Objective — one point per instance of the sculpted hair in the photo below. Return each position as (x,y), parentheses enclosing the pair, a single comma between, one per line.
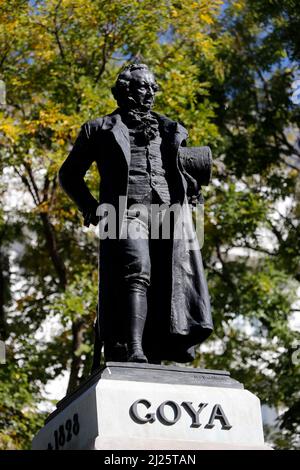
(121,87)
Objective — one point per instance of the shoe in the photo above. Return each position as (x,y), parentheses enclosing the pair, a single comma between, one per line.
(137,356)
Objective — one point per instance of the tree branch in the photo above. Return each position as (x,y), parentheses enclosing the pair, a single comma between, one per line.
(255,248)
(2,60)
(27,185)
(104,58)
(49,232)
(56,32)
(32,180)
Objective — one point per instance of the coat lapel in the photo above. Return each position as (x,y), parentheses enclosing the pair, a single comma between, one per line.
(172,130)
(114,124)
(176,135)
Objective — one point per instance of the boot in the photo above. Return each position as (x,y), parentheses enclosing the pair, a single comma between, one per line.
(137,312)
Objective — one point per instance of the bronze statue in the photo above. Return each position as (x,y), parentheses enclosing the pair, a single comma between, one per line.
(153,300)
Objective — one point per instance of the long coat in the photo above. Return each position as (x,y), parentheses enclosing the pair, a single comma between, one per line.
(180,317)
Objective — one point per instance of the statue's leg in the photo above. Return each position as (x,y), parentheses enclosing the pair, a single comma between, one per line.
(160,246)
(136,267)
(137,313)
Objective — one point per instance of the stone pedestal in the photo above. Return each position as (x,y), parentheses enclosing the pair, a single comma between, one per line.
(146,406)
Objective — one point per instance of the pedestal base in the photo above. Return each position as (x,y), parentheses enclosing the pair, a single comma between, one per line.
(144,406)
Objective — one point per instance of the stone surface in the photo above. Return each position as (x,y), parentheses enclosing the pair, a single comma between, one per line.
(138,406)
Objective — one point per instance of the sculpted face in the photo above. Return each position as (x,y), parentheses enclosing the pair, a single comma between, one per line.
(142,90)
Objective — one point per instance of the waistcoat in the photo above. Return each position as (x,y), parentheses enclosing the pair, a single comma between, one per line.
(147,172)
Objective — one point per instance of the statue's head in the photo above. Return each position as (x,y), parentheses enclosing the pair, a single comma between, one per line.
(135,88)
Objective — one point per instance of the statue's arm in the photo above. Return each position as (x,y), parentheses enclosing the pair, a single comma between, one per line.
(72,172)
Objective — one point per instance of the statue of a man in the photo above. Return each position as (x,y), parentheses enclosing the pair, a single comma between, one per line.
(153,300)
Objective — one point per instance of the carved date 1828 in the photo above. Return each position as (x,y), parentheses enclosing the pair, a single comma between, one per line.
(64,433)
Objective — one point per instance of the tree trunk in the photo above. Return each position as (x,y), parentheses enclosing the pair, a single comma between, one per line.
(3,326)
(78,328)
(57,261)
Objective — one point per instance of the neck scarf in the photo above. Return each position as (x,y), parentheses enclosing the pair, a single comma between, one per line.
(144,123)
